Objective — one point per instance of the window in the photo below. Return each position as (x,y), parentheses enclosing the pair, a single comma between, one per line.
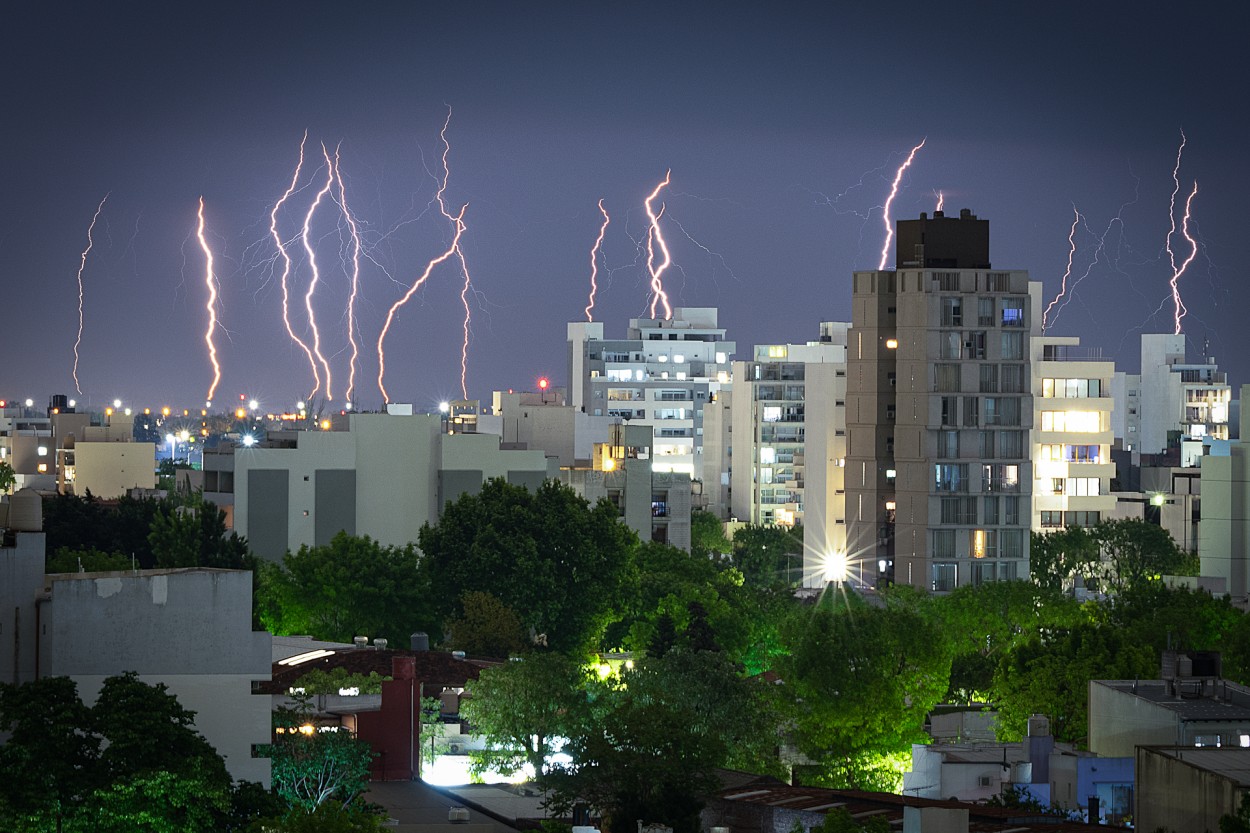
(947,281)
(952,312)
(1050,452)
(1002,410)
(974,344)
(950,346)
(948,444)
(1078,422)
(983,572)
(1052,519)
(989,378)
(998,281)
(1013,346)
(990,505)
(1081,454)
(951,477)
(985,444)
(985,312)
(983,543)
(1081,487)
(1012,379)
(950,410)
(1013,312)
(1085,518)
(997,477)
(772,413)
(943,577)
(946,377)
(1011,444)
(1012,505)
(944,543)
(960,511)
(972,410)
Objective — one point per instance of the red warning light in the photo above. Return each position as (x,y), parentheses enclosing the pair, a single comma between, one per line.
(543,383)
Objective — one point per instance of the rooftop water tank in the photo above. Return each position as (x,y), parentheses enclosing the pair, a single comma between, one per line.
(26,511)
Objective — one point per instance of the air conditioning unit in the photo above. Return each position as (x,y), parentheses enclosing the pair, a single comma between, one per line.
(455,749)
(985,781)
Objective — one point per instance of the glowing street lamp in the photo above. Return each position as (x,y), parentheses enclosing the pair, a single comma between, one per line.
(834,567)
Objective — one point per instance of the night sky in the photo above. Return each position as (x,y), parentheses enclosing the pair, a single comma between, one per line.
(783,125)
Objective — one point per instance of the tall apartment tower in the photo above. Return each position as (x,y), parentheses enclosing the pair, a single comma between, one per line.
(938,412)
(661,374)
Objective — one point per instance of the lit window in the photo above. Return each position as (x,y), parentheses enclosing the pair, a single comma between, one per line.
(891,344)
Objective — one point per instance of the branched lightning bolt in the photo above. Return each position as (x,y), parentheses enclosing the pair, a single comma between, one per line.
(464,267)
(658,296)
(885,212)
(351,301)
(1176,187)
(390,315)
(594,261)
(316,275)
(286,270)
(82,264)
(1067,272)
(210,281)
(1179,307)
(941,200)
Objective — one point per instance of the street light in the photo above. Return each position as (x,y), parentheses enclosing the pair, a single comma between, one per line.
(834,567)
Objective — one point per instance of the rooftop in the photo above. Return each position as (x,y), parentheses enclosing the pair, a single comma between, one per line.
(1193,699)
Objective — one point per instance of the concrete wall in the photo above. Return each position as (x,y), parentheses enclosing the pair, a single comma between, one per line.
(1119,722)
(1175,792)
(110,469)
(190,629)
(1224,546)
(21,581)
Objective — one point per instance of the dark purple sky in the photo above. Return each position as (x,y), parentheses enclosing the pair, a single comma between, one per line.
(782,127)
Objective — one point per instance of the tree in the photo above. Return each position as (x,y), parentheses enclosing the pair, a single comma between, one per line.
(66,560)
(353,586)
(192,533)
(487,627)
(522,707)
(1056,558)
(661,732)
(311,767)
(7,477)
(548,555)
(766,555)
(1137,552)
(707,535)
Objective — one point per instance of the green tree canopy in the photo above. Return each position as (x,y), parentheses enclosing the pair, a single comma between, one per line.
(549,555)
(486,627)
(352,587)
(313,768)
(769,556)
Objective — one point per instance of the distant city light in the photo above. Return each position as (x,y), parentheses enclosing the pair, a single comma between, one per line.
(834,567)
(117,403)
(444,407)
(249,440)
(72,403)
(30,403)
(253,404)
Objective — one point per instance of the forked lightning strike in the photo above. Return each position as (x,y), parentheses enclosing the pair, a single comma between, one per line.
(594,261)
(390,314)
(1067,273)
(658,296)
(351,300)
(885,212)
(941,201)
(82,264)
(286,269)
(1179,309)
(210,281)
(464,267)
(316,275)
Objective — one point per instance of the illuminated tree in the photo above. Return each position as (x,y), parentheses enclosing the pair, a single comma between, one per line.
(487,627)
(7,477)
(312,767)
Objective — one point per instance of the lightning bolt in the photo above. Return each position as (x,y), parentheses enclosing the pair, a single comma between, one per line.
(1063,286)
(464,267)
(659,296)
(390,315)
(286,269)
(885,211)
(210,281)
(941,200)
(316,275)
(1176,187)
(594,261)
(82,264)
(351,301)
(1180,311)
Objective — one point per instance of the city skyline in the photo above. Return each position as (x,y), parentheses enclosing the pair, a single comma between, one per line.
(783,132)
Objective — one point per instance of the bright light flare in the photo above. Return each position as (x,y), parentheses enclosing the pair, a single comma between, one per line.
(82,264)
(658,295)
(594,261)
(286,267)
(834,567)
(352,337)
(316,273)
(1063,285)
(885,212)
(417,284)
(210,281)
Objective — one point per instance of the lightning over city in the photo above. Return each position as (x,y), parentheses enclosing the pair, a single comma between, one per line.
(210,305)
(1179,310)
(286,269)
(354,232)
(1067,272)
(656,237)
(594,261)
(316,274)
(885,211)
(417,284)
(941,200)
(82,264)
(457,224)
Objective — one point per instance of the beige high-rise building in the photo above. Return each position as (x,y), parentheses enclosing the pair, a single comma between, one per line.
(938,412)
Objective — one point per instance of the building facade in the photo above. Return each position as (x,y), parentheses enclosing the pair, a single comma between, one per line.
(938,412)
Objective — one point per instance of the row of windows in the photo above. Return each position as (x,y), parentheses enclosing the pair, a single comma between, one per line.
(945,574)
(980,410)
(992,378)
(995,477)
(1075,486)
(971,344)
(1061,453)
(949,281)
(1054,519)
(1071,388)
(1080,422)
(962,511)
(1010,312)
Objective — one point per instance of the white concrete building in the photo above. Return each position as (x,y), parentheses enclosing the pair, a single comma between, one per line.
(1176,397)
(1071,437)
(1224,546)
(661,374)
